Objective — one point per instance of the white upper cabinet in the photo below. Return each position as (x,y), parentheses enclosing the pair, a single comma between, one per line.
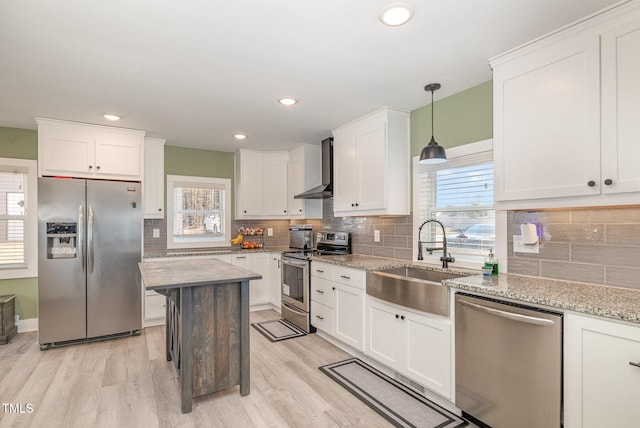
(371,165)
(89,151)
(304,174)
(267,181)
(621,106)
(261,184)
(566,111)
(153,183)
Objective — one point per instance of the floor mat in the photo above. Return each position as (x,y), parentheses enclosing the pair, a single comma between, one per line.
(399,404)
(278,330)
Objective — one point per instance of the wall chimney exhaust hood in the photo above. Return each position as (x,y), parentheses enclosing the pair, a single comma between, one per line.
(325,190)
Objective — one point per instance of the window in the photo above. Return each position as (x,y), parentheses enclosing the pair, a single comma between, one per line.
(18,218)
(199,211)
(458,193)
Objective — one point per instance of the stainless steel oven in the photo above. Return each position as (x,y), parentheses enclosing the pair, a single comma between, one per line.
(296,272)
(295,291)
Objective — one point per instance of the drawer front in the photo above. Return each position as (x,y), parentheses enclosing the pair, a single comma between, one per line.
(322,317)
(323,291)
(154,306)
(322,270)
(353,277)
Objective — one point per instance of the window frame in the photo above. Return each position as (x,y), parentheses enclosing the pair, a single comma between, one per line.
(466,261)
(30,268)
(198,242)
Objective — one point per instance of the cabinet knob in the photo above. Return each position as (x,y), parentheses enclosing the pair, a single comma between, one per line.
(285,211)
(357,204)
(159,209)
(98,167)
(333,288)
(591,183)
(90,166)
(397,316)
(353,205)
(245,211)
(300,210)
(608,182)
(401,317)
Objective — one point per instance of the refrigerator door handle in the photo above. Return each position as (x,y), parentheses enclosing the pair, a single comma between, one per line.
(80,243)
(90,239)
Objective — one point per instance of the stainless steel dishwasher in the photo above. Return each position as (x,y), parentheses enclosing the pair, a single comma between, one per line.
(508,363)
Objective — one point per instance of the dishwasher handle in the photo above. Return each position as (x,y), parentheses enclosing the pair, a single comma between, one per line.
(509,315)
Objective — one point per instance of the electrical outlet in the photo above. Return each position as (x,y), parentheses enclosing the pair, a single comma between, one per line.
(156,233)
(376,236)
(269,231)
(521,247)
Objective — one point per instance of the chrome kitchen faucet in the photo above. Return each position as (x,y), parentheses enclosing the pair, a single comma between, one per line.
(446,257)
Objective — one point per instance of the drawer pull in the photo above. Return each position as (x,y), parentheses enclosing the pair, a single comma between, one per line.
(319,317)
(631,363)
(345,277)
(320,291)
(319,270)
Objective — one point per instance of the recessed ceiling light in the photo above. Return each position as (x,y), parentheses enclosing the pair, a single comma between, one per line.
(396,14)
(239,136)
(287,101)
(111,117)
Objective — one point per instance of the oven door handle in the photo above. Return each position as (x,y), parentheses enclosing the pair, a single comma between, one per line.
(294,310)
(295,263)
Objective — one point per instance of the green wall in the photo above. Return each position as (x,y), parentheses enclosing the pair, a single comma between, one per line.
(461,118)
(21,144)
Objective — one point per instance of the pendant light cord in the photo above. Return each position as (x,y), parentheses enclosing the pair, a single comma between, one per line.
(432,127)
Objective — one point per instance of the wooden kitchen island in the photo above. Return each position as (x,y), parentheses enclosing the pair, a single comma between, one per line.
(207,323)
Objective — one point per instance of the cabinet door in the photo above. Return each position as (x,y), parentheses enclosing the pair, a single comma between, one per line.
(296,184)
(601,384)
(118,154)
(385,336)
(275,280)
(274,186)
(621,107)
(259,288)
(249,187)
(546,122)
(345,171)
(371,156)
(66,150)
(428,352)
(153,178)
(349,322)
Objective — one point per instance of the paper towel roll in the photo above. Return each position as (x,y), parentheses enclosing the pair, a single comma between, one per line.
(529,233)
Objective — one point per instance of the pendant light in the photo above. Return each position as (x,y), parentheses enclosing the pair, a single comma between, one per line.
(432,152)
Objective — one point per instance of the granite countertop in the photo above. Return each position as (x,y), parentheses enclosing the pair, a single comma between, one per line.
(600,300)
(206,252)
(188,273)
(611,302)
(357,261)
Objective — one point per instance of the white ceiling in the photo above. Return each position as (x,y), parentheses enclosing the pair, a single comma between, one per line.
(196,72)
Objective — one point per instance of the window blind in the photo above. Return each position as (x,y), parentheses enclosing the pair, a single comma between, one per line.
(459,193)
(12,219)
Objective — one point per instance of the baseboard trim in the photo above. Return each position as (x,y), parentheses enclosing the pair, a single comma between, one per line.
(29,324)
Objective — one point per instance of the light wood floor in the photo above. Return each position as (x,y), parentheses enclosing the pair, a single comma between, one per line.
(128,383)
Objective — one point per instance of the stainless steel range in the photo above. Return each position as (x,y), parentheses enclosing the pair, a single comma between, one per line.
(296,272)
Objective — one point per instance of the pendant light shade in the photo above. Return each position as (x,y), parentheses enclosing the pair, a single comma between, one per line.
(432,152)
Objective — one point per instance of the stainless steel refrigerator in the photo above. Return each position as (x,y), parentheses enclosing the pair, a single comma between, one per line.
(89,246)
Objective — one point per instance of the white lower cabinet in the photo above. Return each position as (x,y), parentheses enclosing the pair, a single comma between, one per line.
(258,263)
(275,281)
(415,344)
(337,302)
(602,373)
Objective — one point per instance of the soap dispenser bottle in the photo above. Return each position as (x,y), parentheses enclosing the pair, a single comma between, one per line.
(492,261)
